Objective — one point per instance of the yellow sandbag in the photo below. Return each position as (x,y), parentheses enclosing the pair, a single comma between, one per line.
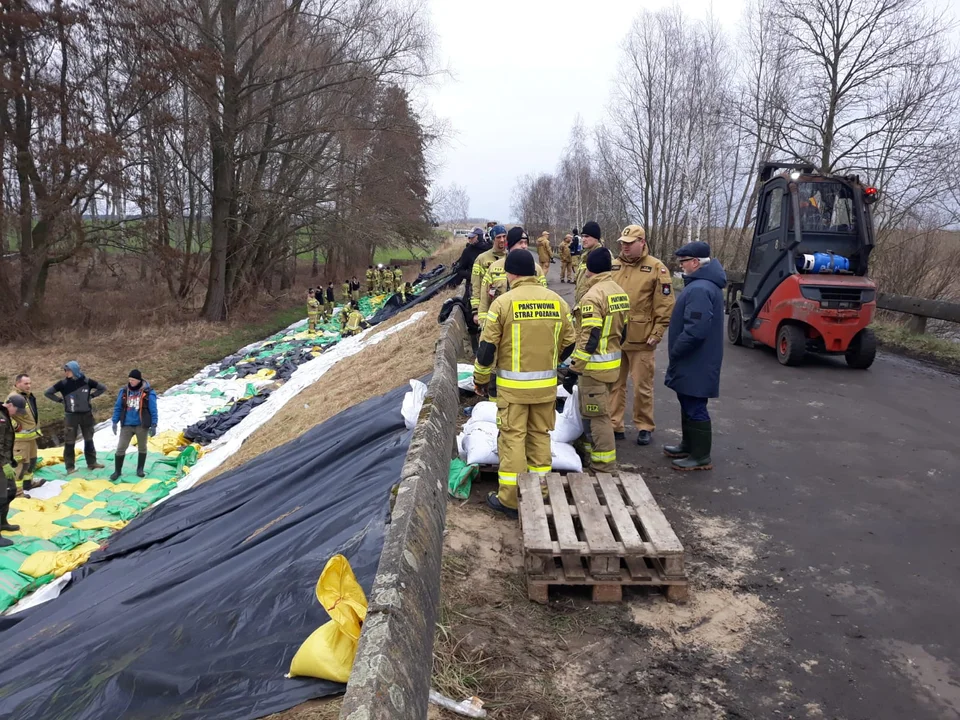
(265,373)
(329,651)
(96,524)
(167,442)
(35,525)
(88,489)
(53,456)
(57,561)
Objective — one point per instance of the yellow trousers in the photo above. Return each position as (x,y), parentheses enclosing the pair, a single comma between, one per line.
(523,444)
(566,270)
(597,424)
(638,364)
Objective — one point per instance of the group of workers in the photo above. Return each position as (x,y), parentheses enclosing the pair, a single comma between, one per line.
(623,307)
(134,415)
(382,280)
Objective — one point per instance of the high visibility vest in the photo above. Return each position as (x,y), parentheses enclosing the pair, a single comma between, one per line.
(600,317)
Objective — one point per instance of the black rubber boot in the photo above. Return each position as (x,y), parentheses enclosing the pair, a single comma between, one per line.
(141,461)
(683,449)
(4,525)
(69,458)
(5,543)
(701,443)
(117,467)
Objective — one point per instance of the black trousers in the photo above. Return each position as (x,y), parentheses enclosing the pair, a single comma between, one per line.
(74,423)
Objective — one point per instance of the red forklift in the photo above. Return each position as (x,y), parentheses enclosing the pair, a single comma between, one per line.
(805,288)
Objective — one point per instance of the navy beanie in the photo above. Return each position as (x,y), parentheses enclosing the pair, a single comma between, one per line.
(599,260)
(515,235)
(521,263)
(592,229)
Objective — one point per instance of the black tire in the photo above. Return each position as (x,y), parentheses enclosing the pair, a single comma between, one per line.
(791,344)
(735,326)
(863,350)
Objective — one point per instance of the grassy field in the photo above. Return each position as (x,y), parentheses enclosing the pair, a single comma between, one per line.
(896,337)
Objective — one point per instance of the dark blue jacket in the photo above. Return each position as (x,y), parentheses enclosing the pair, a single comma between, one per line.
(696,334)
(133,413)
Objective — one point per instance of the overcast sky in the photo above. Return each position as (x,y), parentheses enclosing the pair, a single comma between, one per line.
(522,71)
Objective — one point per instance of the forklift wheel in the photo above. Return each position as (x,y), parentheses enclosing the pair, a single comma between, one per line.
(791,344)
(735,326)
(863,350)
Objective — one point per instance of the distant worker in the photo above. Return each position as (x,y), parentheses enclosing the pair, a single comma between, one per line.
(407,292)
(355,289)
(600,319)
(381,288)
(648,283)
(76,393)
(483,261)
(354,322)
(495,279)
(695,348)
(543,249)
(397,278)
(527,333)
(135,412)
(345,292)
(423,264)
(27,426)
(9,410)
(313,312)
(566,260)
(331,300)
(591,241)
(371,280)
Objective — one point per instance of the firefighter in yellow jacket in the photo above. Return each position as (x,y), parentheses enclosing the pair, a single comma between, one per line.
(397,278)
(543,249)
(527,333)
(345,292)
(313,311)
(600,319)
(371,280)
(27,433)
(495,279)
(480,265)
(647,282)
(353,322)
(590,239)
(566,260)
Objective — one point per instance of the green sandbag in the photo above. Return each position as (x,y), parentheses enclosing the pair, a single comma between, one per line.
(461,478)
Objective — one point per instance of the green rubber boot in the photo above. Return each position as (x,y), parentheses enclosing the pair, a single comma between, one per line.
(683,449)
(700,444)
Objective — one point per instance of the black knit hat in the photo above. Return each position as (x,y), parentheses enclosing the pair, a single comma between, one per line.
(135,374)
(599,261)
(515,235)
(520,263)
(592,229)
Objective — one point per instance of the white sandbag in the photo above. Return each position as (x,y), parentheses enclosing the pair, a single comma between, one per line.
(413,403)
(562,392)
(461,453)
(483,412)
(568,424)
(565,458)
(480,444)
(465,377)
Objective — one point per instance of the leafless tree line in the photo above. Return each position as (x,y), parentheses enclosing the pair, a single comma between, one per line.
(868,87)
(217,140)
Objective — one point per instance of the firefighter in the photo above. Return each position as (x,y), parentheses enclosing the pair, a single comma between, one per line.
(345,292)
(595,364)
(495,279)
(331,300)
(397,278)
(566,260)
(480,265)
(76,391)
(135,414)
(371,280)
(355,290)
(313,312)
(647,282)
(12,407)
(27,426)
(543,249)
(380,279)
(527,333)
(353,323)
(590,237)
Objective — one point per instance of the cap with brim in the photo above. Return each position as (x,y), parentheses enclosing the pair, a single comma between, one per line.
(476,232)
(17,401)
(632,233)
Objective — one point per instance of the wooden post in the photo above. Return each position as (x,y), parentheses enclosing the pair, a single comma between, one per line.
(917,324)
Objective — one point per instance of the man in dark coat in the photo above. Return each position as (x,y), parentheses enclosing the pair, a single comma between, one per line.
(695,349)
(464,264)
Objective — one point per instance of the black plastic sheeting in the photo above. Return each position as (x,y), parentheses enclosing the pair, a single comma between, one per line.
(434,272)
(196,608)
(215,426)
(393,306)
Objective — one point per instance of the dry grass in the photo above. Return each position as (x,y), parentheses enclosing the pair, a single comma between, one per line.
(370,373)
(325,709)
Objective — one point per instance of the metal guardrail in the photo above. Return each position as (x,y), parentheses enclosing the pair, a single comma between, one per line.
(920,309)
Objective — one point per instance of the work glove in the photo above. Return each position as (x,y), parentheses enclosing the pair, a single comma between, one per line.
(114,428)
(9,472)
(153,431)
(480,388)
(570,380)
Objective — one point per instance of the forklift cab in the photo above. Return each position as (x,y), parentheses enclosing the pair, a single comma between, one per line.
(802,213)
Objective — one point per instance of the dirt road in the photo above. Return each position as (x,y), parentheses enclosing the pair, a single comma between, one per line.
(831,523)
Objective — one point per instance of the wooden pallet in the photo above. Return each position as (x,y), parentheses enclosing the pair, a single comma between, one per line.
(603,531)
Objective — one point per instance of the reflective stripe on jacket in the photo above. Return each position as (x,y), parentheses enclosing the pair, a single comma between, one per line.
(495,284)
(600,318)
